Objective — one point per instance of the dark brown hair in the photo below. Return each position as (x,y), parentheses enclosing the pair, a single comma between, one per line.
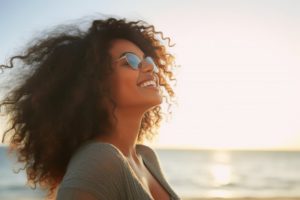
(59,105)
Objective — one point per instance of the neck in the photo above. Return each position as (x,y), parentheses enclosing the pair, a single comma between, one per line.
(125,133)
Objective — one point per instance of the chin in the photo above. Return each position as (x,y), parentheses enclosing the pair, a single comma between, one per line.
(157,101)
(154,104)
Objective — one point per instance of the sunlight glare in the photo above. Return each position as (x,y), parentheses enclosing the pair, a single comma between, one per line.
(221,174)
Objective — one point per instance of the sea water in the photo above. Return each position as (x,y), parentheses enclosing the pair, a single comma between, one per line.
(197,173)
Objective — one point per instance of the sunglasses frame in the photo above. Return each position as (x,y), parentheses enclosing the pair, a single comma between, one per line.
(148,60)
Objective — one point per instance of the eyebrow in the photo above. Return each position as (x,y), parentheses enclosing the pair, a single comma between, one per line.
(129,52)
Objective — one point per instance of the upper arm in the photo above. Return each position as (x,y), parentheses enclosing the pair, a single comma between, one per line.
(95,173)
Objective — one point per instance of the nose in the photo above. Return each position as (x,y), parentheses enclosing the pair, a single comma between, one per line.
(146,66)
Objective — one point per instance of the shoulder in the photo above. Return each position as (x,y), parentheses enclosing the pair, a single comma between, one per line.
(94,161)
(96,152)
(151,159)
(148,153)
(96,168)
(145,150)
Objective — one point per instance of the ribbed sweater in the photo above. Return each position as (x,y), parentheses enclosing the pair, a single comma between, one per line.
(99,171)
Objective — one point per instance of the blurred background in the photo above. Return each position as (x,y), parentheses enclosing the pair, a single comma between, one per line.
(235,132)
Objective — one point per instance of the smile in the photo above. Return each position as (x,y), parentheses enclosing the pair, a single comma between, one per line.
(148,84)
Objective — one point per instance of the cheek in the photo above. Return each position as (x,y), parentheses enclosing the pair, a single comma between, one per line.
(124,87)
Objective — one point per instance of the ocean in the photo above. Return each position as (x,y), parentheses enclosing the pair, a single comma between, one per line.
(198,174)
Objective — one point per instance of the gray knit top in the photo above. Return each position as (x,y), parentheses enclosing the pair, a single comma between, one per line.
(99,171)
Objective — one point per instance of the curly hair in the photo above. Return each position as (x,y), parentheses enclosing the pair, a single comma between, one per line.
(59,105)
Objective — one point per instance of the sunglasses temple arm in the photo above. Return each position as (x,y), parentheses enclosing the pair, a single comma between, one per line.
(120,58)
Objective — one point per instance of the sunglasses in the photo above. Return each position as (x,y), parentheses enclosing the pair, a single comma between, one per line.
(134,61)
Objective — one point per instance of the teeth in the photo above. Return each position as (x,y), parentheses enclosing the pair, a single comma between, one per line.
(147,83)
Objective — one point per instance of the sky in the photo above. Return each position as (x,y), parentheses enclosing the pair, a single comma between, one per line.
(239,81)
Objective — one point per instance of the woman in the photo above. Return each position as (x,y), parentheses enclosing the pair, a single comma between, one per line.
(80,118)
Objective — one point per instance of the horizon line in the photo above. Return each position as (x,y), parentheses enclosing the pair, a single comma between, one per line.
(192,148)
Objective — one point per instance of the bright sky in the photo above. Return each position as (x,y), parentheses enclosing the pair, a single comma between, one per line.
(239,83)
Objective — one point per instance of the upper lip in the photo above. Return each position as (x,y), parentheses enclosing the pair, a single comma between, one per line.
(151,79)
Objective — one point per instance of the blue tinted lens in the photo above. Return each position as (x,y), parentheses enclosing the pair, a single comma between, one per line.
(150,61)
(133,60)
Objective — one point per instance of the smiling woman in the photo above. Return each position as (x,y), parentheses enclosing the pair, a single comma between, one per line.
(80,118)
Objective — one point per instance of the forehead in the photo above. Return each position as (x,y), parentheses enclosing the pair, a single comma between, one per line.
(119,46)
